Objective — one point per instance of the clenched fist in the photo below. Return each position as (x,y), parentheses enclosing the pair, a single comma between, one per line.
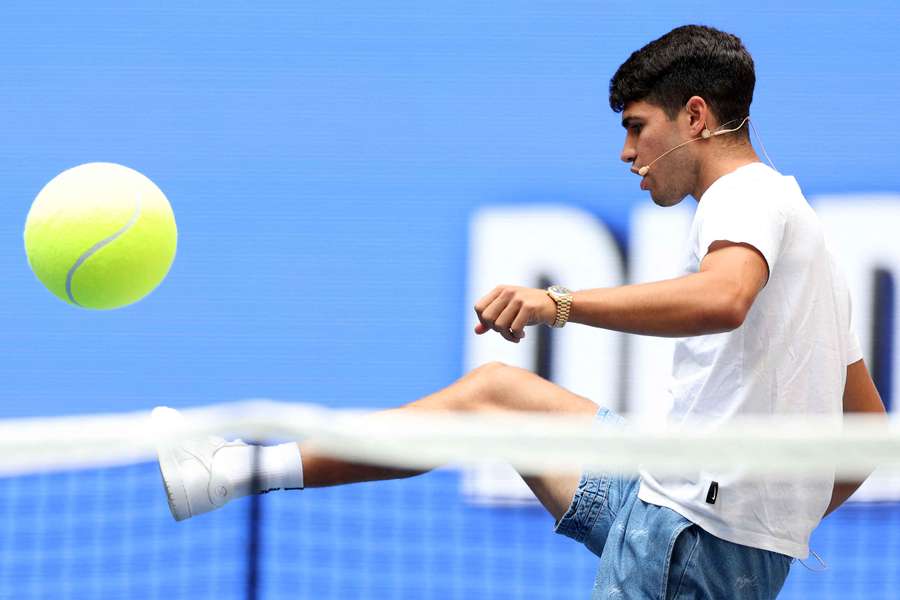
(508,309)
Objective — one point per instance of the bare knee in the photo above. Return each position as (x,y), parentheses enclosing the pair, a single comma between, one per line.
(491,385)
(496,386)
(488,370)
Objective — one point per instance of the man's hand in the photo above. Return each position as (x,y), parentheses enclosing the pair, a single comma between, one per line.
(508,309)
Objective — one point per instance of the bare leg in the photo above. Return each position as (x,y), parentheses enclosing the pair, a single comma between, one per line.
(492,387)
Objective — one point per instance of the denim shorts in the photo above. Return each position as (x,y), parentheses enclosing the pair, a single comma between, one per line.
(648,551)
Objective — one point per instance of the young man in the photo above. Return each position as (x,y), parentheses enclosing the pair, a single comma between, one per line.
(763,317)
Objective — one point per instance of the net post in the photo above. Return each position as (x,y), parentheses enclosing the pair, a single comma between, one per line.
(254,534)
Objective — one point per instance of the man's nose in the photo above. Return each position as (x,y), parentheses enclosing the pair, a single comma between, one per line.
(628,153)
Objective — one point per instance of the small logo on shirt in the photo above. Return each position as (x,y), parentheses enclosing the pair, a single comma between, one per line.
(713,493)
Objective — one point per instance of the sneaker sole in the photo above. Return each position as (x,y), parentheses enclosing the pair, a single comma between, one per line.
(168,465)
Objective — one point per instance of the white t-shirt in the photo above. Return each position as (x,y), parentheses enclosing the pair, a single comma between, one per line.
(789,357)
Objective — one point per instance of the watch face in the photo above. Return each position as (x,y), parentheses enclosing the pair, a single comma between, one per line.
(558,289)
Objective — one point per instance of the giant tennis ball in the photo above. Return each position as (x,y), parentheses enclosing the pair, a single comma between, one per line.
(100,235)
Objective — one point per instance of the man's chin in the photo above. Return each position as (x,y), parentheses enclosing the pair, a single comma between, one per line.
(665,200)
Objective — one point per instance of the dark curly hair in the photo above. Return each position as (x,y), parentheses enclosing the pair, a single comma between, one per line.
(692,60)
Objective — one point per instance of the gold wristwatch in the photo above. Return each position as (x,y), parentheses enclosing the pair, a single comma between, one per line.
(563,298)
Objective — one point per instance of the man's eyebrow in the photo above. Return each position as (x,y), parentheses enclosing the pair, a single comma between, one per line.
(626,122)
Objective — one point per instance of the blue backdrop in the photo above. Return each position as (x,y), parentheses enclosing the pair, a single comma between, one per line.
(323,160)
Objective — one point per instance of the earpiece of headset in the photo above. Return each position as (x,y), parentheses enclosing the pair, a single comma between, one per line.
(704,135)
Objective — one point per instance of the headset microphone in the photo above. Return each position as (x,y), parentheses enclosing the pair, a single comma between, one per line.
(704,135)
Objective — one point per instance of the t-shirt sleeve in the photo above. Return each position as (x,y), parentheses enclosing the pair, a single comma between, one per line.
(844,306)
(854,350)
(742,219)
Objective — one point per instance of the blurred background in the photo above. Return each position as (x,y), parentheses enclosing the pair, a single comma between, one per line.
(336,170)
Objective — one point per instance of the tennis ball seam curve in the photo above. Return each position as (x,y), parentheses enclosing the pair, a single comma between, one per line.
(96,247)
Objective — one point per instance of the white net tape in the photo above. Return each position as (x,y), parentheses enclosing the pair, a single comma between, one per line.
(531,442)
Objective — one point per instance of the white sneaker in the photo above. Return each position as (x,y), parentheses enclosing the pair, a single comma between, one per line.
(193,484)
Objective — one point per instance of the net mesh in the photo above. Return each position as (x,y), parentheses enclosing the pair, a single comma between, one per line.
(85,529)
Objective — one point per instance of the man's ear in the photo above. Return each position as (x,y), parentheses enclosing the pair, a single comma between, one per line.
(699,117)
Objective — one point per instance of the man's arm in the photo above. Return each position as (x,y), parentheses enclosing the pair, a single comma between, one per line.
(715,299)
(860,396)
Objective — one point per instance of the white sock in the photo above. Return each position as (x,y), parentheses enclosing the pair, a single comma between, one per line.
(275,467)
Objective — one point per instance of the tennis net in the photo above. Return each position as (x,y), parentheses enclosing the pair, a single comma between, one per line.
(85,516)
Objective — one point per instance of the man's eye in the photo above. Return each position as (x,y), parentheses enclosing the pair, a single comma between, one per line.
(635,129)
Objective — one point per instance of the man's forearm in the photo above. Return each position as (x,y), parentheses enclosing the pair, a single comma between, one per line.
(860,397)
(841,493)
(695,304)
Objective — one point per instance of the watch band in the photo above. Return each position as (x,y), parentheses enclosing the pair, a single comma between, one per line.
(563,298)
